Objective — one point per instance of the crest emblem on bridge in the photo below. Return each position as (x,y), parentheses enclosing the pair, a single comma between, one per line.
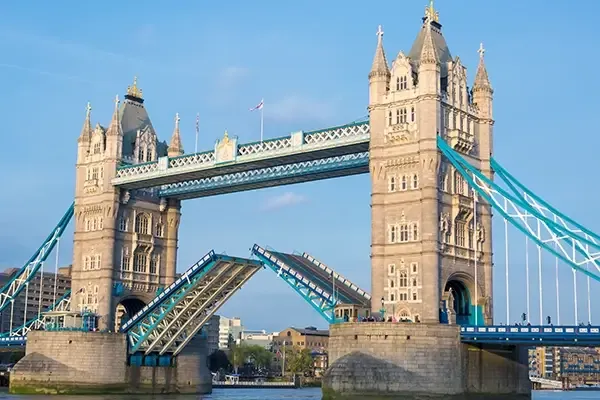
(225,149)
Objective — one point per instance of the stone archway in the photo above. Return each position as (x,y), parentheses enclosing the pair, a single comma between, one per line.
(459,298)
(126,309)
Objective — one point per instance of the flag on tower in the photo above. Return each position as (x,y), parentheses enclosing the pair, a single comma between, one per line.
(259,106)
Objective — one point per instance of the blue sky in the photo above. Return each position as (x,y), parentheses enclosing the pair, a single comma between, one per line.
(310,63)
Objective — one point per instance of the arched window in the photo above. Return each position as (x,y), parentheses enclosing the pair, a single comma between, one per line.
(392,297)
(125,259)
(393,233)
(391,283)
(404,183)
(412,114)
(415,231)
(404,314)
(96,294)
(141,223)
(159,230)
(390,118)
(397,116)
(414,282)
(398,83)
(97,148)
(154,264)
(139,262)
(403,279)
(392,184)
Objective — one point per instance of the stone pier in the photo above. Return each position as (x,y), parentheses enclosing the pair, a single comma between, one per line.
(96,363)
(415,361)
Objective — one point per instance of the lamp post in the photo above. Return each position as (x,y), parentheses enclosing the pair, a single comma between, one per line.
(382,311)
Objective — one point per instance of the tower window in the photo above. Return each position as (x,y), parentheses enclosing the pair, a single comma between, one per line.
(403,83)
(393,233)
(391,283)
(123,224)
(414,296)
(141,223)
(397,83)
(392,184)
(125,259)
(390,118)
(403,115)
(139,262)
(97,148)
(397,116)
(154,264)
(415,231)
(403,280)
(392,297)
(460,233)
(412,114)
(391,269)
(404,233)
(415,181)
(403,296)
(404,184)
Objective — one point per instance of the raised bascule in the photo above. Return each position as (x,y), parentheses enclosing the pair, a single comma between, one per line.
(427,146)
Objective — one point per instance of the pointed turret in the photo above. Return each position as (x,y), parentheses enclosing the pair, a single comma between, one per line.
(86,130)
(482,81)
(380,64)
(379,77)
(114,129)
(175,147)
(429,54)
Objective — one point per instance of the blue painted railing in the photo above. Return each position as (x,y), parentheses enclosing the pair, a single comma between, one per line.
(532,335)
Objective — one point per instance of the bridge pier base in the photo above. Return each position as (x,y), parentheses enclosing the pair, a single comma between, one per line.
(414,361)
(96,363)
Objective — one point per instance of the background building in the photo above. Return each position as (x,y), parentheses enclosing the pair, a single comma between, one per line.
(577,364)
(222,332)
(30,299)
(311,338)
(257,338)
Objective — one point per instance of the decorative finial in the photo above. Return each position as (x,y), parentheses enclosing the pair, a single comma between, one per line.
(117,101)
(481,51)
(226,135)
(379,32)
(133,90)
(430,13)
(88,108)
(177,120)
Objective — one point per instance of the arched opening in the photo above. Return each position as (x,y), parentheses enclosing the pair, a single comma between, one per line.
(126,309)
(461,302)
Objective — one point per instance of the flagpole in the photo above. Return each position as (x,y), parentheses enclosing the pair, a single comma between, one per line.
(262,120)
(197,131)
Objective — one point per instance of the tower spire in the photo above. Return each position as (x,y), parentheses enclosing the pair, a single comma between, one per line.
(175,147)
(115,124)
(431,13)
(380,64)
(429,54)
(86,130)
(482,81)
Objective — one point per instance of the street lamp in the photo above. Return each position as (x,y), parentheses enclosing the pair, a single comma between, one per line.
(382,311)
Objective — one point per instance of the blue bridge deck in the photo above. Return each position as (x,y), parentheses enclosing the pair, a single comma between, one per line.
(568,336)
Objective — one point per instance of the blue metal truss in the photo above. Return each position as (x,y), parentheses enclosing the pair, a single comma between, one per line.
(320,299)
(532,335)
(279,175)
(13,341)
(549,230)
(21,279)
(39,323)
(176,315)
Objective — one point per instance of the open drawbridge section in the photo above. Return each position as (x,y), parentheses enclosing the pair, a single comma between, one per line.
(176,315)
(318,284)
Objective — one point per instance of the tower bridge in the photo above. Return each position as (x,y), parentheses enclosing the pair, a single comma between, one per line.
(427,145)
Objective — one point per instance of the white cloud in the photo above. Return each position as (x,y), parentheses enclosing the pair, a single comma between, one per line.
(294,108)
(286,199)
(230,76)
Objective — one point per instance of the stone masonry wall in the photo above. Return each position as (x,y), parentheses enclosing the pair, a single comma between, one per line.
(391,358)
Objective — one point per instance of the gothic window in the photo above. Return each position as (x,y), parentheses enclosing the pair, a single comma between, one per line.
(393,233)
(88,225)
(97,148)
(415,231)
(447,118)
(392,298)
(403,83)
(390,118)
(404,233)
(470,237)
(139,262)
(86,263)
(403,280)
(404,183)
(159,230)
(460,233)
(454,117)
(460,96)
(397,116)
(95,173)
(94,225)
(459,183)
(392,184)
(412,114)
(403,115)
(88,173)
(414,282)
(101,172)
(415,181)
(468,125)
(403,296)
(153,264)
(414,267)
(391,283)
(123,223)
(125,259)
(453,92)
(100,223)
(414,296)
(90,298)
(391,269)
(141,154)
(462,123)
(398,83)
(96,294)
(141,223)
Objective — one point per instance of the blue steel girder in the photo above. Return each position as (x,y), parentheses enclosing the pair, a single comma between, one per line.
(169,327)
(532,335)
(279,175)
(568,243)
(21,279)
(319,298)
(13,341)
(339,278)
(39,323)
(228,157)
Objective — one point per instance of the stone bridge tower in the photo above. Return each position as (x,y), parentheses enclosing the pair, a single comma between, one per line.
(125,242)
(425,239)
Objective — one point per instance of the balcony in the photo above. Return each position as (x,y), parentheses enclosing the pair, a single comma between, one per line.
(461,141)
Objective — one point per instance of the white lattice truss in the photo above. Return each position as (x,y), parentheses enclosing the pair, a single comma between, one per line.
(27,272)
(326,138)
(545,227)
(170,329)
(267,174)
(39,324)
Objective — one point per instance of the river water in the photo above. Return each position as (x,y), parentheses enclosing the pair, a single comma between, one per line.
(269,394)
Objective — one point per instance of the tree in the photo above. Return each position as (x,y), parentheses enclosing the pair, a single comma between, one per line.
(299,361)
(260,357)
(218,360)
(239,355)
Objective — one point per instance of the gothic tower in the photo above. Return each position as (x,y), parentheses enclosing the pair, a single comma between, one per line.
(426,237)
(125,242)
